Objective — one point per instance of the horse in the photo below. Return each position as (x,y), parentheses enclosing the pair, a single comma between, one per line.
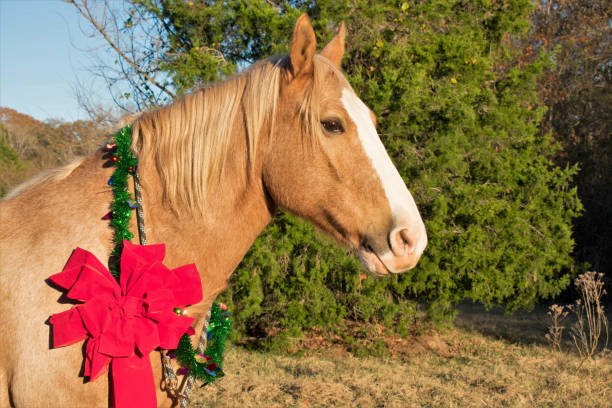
(289,132)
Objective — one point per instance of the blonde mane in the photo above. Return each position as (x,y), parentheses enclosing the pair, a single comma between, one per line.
(62,172)
(189,140)
(43,178)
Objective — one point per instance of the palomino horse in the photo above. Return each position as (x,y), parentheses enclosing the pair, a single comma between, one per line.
(289,132)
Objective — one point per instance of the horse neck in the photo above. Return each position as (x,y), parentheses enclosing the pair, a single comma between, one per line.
(237,211)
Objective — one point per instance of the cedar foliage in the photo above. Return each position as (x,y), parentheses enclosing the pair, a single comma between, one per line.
(460,119)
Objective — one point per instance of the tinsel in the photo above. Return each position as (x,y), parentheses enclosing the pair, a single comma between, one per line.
(210,366)
(121,154)
(204,367)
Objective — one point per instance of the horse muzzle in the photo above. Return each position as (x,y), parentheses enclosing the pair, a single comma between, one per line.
(402,252)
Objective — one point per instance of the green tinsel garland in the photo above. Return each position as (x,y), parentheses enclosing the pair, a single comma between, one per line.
(121,211)
(204,367)
(208,366)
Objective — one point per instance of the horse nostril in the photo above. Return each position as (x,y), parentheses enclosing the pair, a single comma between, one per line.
(402,243)
(368,247)
(406,238)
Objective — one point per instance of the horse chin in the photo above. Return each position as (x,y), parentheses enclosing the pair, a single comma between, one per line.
(375,263)
(372,262)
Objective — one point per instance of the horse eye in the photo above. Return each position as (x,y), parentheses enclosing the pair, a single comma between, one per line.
(332,126)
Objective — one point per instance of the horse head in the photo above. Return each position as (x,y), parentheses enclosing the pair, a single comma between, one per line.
(324,160)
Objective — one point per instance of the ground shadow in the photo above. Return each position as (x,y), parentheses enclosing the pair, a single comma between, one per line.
(520,327)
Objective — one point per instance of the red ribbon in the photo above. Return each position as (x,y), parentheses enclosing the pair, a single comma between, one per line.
(124,322)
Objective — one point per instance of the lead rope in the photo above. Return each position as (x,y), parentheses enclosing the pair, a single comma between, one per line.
(170,380)
(142,234)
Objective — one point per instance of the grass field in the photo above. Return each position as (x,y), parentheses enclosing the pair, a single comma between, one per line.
(488,360)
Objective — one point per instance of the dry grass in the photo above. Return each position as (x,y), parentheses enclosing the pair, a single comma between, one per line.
(456,368)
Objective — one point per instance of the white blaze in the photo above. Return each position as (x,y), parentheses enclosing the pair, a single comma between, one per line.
(403,208)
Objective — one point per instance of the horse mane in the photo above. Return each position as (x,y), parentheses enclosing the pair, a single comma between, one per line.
(62,172)
(189,140)
(43,178)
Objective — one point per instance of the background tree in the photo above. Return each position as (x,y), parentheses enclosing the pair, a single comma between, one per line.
(459,114)
(28,146)
(578,93)
(10,164)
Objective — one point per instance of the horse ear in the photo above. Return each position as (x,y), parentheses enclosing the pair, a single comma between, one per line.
(335,49)
(303,46)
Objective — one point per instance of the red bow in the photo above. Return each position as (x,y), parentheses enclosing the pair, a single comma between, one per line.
(124,323)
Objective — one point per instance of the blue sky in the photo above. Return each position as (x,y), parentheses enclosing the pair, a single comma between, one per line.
(44,56)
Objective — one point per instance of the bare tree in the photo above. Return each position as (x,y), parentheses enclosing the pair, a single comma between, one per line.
(138,41)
